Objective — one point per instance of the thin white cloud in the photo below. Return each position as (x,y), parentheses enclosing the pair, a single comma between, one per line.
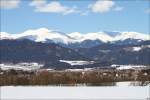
(52,7)
(9,4)
(38,3)
(118,8)
(102,6)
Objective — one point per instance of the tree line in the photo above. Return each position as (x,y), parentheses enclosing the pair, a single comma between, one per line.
(44,77)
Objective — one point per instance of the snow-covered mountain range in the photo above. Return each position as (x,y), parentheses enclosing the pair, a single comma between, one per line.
(59,50)
(45,35)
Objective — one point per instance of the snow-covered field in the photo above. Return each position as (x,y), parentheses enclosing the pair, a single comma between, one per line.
(21,66)
(121,67)
(77,62)
(36,66)
(132,83)
(75,93)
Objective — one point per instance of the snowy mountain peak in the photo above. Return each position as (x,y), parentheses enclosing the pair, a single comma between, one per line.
(98,36)
(43,34)
(38,33)
(131,35)
(90,36)
(76,35)
(46,35)
(4,35)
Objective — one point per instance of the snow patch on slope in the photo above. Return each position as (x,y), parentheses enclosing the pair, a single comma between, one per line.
(77,62)
(136,48)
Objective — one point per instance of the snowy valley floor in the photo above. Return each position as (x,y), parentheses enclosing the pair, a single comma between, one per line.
(75,93)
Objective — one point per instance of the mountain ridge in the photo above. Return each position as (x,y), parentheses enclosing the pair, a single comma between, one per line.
(42,34)
(76,39)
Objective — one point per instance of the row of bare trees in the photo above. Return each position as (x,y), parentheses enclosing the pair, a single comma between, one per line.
(13,77)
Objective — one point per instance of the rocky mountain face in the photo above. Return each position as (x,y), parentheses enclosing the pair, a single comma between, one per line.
(119,54)
(16,51)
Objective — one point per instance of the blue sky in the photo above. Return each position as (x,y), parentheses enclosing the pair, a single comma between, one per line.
(75,15)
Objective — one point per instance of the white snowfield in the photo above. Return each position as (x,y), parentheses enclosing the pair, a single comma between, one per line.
(140,47)
(130,83)
(44,34)
(122,67)
(79,70)
(21,66)
(137,48)
(75,62)
(36,66)
(74,93)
